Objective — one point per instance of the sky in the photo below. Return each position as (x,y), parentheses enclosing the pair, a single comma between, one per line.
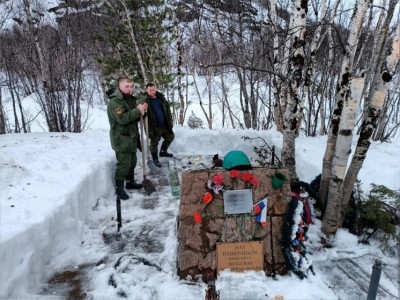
(58,214)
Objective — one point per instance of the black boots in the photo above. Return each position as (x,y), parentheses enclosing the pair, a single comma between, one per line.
(155,159)
(164,153)
(131,184)
(119,186)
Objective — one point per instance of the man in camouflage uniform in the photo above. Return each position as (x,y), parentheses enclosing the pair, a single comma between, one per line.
(123,115)
(160,122)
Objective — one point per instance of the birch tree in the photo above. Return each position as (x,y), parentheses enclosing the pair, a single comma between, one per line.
(315,43)
(342,152)
(179,74)
(379,92)
(43,67)
(295,77)
(343,89)
(322,107)
(341,183)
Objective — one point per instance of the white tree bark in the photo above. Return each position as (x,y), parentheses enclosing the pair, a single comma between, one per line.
(276,62)
(51,115)
(380,90)
(179,75)
(298,14)
(315,43)
(330,61)
(342,152)
(344,87)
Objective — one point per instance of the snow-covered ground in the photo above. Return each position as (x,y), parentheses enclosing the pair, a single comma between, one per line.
(58,213)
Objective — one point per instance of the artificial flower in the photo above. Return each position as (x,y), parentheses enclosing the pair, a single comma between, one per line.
(197,218)
(217,188)
(209,184)
(254,181)
(234,173)
(218,179)
(207,198)
(247,176)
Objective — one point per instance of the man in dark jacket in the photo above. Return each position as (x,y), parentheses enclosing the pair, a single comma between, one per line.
(160,122)
(123,115)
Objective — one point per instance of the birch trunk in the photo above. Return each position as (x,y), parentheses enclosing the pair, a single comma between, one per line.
(276,60)
(343,89)
(179,75)
(379,132)
(342,152)
(298,13)
(309,73)
(209,120)
(209,87)
(369,124)
(330,58)
(377,49)
(52,118)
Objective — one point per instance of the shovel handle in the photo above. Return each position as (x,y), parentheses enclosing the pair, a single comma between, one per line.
(147,136)
(142,143)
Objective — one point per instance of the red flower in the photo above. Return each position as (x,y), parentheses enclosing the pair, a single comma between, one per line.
(207,198)
(218,179)
(197,218)
(247,176)
(234,173)
(254,181)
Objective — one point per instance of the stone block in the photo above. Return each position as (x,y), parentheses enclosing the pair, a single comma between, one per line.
(197,241)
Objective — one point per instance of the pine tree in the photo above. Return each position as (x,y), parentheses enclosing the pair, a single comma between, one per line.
(134,37)
(194,121)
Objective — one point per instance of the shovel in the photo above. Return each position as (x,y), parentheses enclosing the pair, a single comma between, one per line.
(147,184)
(152,166)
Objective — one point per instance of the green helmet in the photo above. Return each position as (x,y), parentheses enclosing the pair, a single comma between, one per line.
(237,160)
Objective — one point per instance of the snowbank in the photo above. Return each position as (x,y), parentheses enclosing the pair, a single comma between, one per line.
(49,182)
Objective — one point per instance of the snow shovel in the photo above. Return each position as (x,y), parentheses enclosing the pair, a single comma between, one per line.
(152,166)
(147,184)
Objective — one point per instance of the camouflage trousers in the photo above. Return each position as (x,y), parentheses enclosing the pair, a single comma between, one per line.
(162,132)
(126,163)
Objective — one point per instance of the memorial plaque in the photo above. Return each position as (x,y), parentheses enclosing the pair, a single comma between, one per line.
(240,257)
(238,201)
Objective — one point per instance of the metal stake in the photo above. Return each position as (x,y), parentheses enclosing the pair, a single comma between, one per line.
(119,220)
(374,283)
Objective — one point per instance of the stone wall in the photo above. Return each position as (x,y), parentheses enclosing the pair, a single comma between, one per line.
(197,241)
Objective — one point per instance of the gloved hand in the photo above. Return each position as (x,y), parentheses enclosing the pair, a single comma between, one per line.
(139,144)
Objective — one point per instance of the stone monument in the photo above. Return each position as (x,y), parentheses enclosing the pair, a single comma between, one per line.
(203,224)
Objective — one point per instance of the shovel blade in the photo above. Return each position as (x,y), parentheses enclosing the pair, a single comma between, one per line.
(154,170)
(148,187)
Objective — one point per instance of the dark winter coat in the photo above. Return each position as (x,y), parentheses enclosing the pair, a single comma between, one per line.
(150,114)
(123,117)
